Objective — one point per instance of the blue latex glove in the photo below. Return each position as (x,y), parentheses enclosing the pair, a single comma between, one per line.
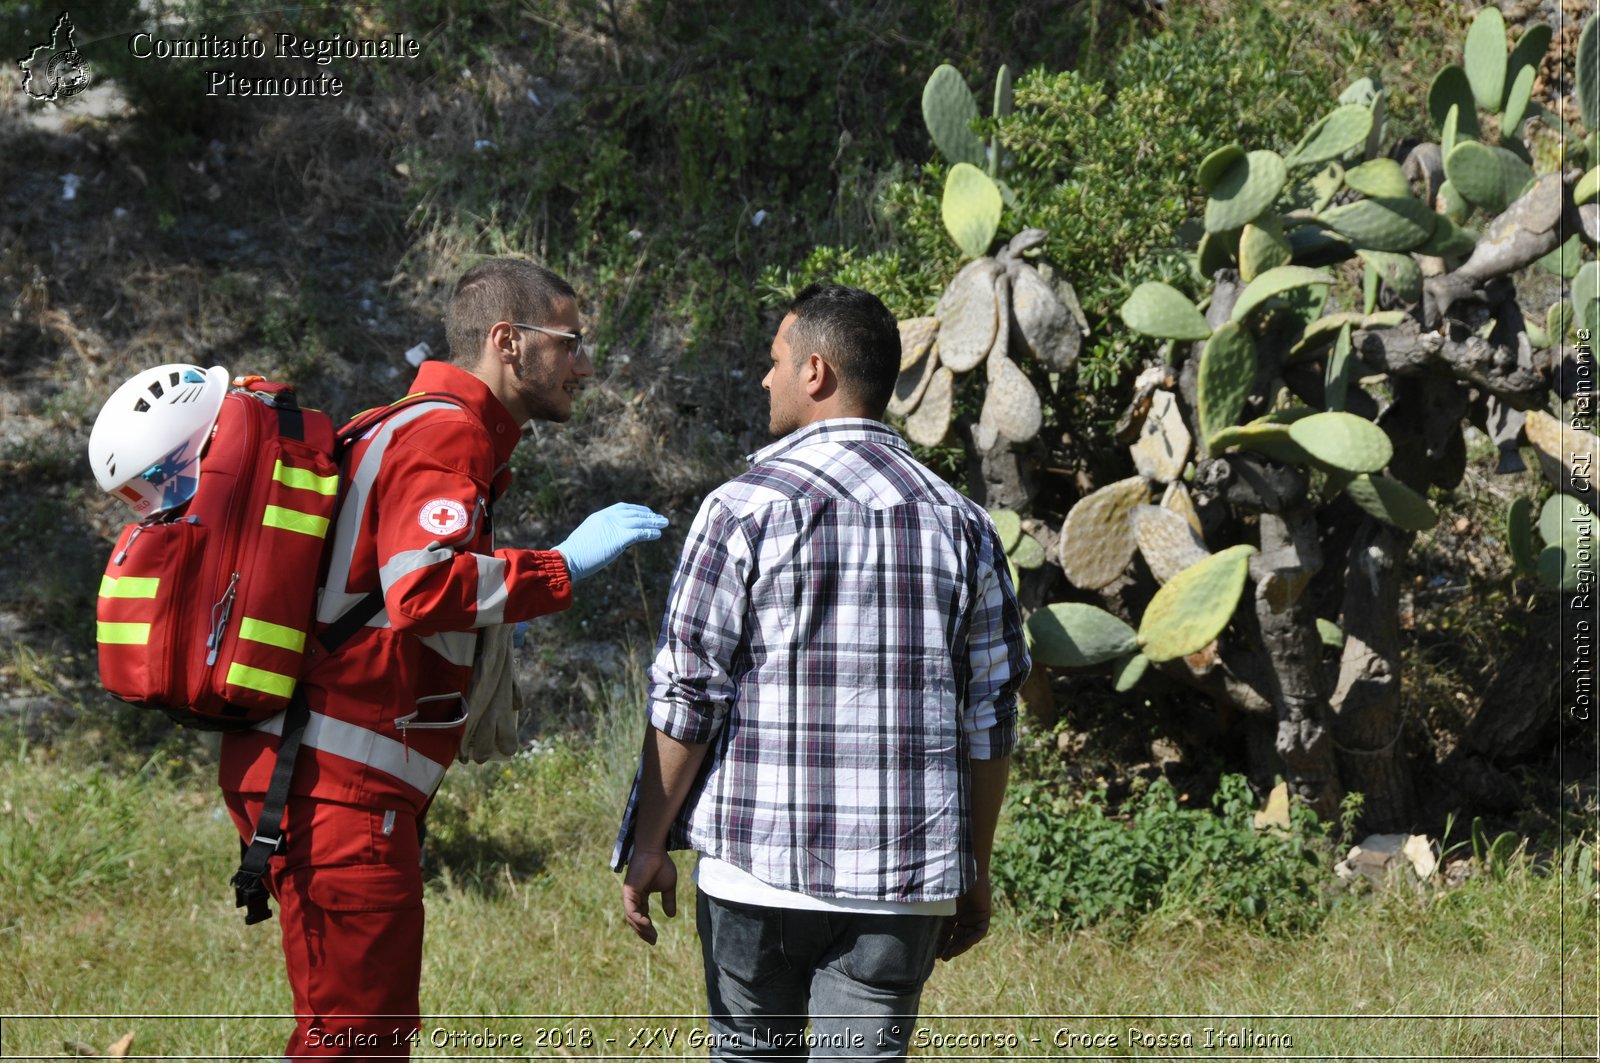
(602,537)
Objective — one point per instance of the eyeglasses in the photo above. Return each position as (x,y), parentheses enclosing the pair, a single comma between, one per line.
(575,337)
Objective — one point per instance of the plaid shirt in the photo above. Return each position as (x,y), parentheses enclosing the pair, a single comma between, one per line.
(843,631)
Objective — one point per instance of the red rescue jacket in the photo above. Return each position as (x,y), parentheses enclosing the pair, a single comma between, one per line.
(387,707)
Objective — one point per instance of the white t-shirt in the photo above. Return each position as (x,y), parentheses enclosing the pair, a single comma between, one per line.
(727,882)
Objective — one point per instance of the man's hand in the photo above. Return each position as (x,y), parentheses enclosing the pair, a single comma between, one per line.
(970,924)
(602,537)
(649,871)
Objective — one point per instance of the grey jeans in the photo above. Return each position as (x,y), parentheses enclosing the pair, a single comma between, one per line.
(857,977)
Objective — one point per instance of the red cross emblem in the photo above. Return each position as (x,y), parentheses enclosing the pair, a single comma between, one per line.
(442,517)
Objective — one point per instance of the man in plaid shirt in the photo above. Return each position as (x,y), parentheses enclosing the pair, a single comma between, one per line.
(832,712)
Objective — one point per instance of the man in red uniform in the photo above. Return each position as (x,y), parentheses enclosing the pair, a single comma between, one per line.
(388,705)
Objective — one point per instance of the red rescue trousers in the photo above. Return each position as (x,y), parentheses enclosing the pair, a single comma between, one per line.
(348,883)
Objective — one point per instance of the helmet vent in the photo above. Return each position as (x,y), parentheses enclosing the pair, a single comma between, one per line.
(141,406)
(156,389)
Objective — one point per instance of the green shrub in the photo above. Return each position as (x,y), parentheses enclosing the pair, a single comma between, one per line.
(1072,861)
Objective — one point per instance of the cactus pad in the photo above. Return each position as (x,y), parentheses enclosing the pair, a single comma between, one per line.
(1004,96)
(1028,554)
(1518,96)
(1519,535)
(1129,671)
(1587,188)
(1485,56)
(1400,272)
(1262,246)
(929,423)
(1227,370)
(1391,224)
(911,383)
(1273,440)
(1587,69)
(1391,502)
(1176,498)
(1559,514)
(1336,381)
(1336,134)
(1568,561)
(1097,538)
(949,109)
(1276,282)
(1566,260)
(1215,165)
(1075,635)
(1558,321)
(1343,441)
(1490,177)
(1379,178)
(1191,609)
(971,208)
(1451,88)
(1162,449)
(1451,203)
(1008,526)
(1329,633)
(1449,240)
(1042,320)
(916,336)
(1245,189)
(1160,310)
(1011,404)
(1166,542)
(1217,251)
(967,316)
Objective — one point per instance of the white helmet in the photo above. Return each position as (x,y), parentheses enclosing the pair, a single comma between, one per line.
(145,445)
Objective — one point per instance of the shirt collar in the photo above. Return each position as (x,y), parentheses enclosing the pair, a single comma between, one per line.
(451,379)
(833,430)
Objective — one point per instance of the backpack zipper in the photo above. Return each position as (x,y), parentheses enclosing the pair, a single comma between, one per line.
(218,623)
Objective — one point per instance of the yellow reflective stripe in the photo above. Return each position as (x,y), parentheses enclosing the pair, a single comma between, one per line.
(305,479)
(295,521)
(275,683)
(287,638)
(129,586)
(122,634)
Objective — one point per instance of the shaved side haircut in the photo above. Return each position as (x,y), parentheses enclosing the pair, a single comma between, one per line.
(856,334)
(498,289)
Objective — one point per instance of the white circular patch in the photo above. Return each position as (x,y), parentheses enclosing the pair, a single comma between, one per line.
(443,516)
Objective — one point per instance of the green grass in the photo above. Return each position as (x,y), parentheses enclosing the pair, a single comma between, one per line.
(113,907)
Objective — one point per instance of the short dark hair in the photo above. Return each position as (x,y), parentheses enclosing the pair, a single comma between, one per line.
(858,336)
(498,289)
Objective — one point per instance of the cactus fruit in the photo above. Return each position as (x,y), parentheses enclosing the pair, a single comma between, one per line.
(1343,441)
(1011,404)
(929,423)
(1400,272)
(1336,381)
(1191,609)
(1330,633)
(1379,178)
(1162,449)
(1587,69)
(971,208)
(1075,635)
(912,383)
(1043,322)
(967,316)
(1519,535)
(1488,176)
(1451,88)
(1246,188)
(1336,134)
(1276,282)
(1176,498)
(916,336)
(1227,370)
(1391,502)
(1485,56)
(1166,542)
(1388,224)
(1008,526)
(1097,538)
(949,110)
(1262,246)
(1128,671)
(1160,310)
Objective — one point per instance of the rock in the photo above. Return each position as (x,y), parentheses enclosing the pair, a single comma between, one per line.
(1379,854)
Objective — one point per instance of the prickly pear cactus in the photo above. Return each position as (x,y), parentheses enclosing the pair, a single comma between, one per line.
(1192,608)
(1097,540)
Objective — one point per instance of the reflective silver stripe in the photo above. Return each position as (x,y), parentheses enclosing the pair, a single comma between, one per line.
(408,561)
(491,591)
(336,599)
(457,647)
(365,747)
